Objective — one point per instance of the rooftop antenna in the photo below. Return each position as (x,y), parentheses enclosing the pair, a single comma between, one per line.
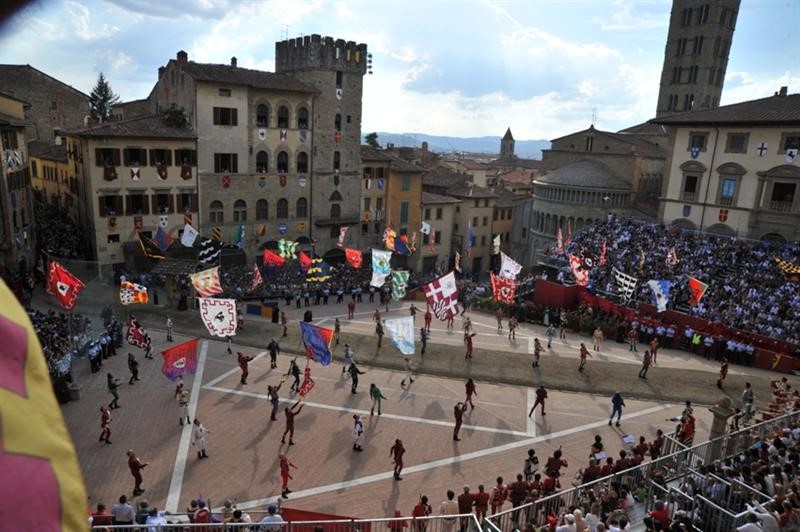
(594,116)
(284,32)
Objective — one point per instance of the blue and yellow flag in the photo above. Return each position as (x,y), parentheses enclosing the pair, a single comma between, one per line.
(318,272)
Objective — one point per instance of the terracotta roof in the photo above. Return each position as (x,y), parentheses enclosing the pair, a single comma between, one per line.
(645,128)
(505,198)
(47,151)
(640,146)
(467,190)
(401,166)
(586,173)
(218,73)
(368,153)
(138,127)
(520,177)
(765,111)
(508,135)
(469,164)
(431,198)
(441,176)
(18,74)
(516,162)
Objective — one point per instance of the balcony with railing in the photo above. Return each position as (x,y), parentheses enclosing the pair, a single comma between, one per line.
(780,206)
(726,201)
(688,196)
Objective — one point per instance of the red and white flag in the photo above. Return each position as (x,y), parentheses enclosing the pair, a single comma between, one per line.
(603,254)
(136,334)
(354,257)
(308,382)
(132,293)
(442,296)
(503,288)
(257,280)
(576,266)
(63,285)
(342,233)
(569,233)
(218,315)
(559,241)
(207,282)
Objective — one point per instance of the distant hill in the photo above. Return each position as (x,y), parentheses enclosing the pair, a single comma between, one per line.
(528,149)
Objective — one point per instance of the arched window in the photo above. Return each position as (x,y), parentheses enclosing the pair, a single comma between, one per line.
(283,162)
(262,209)
(283,209)
(337,161)
(302,118)
(283,117)
(262,162)
(302,162)
(302,208)
(215,212)
(262,116)
(337,122)
(336,211)
(239,211)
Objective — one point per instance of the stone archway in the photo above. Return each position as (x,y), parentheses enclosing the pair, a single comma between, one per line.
(774,238)
(334,256)
(721,230)
(684,223)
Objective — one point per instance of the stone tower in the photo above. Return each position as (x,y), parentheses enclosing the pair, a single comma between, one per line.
(336,69)
(696,54)
(507,145)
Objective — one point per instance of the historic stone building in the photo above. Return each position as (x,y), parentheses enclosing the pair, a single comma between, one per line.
(734,170)
(52,178)
(53,105)
(436,250)
(17,237)
(696,55)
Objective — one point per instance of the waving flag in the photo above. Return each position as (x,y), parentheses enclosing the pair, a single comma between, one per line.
(189,235)
(44,487)
(672,257)
(353,257)
(389,235)
(163,239)
(132,293)
(401,245)
(661,291)
(559,241)
(626,284)
(317,341)
(210,250)
(698,289)
(496,245)
(136,334)
(219,316)
(399,284)
(304,261)
(576,267)
(401,331)
(257,279)
(308,382)
(342,233)
(180,360)
(457,262)
(239,237)
(319,271)
(509,268)
(470,241)
(206,282)
(380,267)
(286,248)
(789,269)
(273,260)
(603,255)
(442,296)
(62,284)
(425,229)
(503,289)
(149,248)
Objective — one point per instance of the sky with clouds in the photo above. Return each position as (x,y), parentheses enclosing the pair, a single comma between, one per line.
(442,67)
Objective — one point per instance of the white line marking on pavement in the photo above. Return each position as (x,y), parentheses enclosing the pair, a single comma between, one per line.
(398,417)
(440,463)
(531,419)
(230,372)
(175,485)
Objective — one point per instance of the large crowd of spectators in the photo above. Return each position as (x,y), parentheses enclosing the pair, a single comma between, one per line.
(56,233)
(746,288)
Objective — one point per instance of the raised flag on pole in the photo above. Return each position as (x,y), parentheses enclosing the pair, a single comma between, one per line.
(257,279)
(425,229)
(399,284)
(380,267)
(698,289)
(239,237)
(206,282)
(149,248)
(496,245)
(503,288)
(218,315)
(286,248)
(136,334)
(672,257)
(661,289)
(401,331)
(132,293)
(308,382)
(401,245)
(470,240)
(342,232)
(180,360)
(304,261)
(353,257)
(189,235)
(43,487)
(559,240)
(319,271)
(163,239)
(457,262)
(272,259)
(389,235)
(63,285)
(509,268)
(317,341)
(626,284)
(210,250)
(576,267)
(442,296)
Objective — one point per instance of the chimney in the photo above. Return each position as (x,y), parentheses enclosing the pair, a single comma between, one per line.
(784,91)
(161,70)
(233,61)
(182,57)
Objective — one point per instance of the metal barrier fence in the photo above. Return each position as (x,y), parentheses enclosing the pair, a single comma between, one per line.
(438,523)
(677,463)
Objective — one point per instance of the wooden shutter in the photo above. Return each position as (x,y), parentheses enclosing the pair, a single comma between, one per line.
(102,209)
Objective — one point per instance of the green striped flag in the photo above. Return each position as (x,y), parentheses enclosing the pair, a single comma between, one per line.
(286,248)
(399,284)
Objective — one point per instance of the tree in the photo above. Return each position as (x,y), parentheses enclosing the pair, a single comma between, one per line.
(102,99)
(372,140)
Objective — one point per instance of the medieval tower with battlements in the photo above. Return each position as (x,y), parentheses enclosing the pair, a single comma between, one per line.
(696,54)
(335,68)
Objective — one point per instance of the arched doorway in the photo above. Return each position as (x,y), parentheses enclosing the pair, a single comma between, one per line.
(721,230)
(334,256)
(684,223)
(774,238)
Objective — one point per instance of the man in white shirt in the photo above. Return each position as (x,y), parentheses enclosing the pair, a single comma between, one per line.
(122,513)
(155,519)
(449,509)
(273,521)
